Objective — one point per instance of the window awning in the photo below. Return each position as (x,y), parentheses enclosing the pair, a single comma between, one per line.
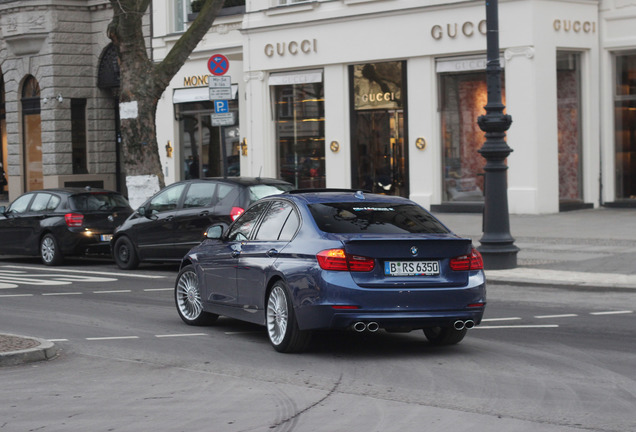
(196,94)
(300,77)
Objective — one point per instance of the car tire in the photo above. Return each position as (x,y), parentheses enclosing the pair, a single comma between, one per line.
(187,296)
(444,335)
(50,251)
(125,255)
(282,326)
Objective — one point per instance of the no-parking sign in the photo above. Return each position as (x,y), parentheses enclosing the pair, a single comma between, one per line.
(218,64)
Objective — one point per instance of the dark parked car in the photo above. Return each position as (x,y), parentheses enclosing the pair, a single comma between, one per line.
(174,220)
(308,260)
(54,223)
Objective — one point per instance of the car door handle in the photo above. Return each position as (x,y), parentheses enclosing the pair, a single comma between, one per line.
(271,253)
(170,218)
(204,213)
(235,254)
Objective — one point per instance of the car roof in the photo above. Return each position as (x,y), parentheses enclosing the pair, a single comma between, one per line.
(75,190)
(245,181)
(313,196)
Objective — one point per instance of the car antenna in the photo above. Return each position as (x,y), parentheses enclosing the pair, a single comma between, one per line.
(259,172)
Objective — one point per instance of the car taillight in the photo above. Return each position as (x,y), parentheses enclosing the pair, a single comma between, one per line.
(473,261)
(339,260)
(74,219)
(236,212)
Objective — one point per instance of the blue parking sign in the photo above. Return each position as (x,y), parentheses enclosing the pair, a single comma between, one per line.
(221,106)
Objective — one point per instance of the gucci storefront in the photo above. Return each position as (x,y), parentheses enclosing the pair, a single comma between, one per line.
(394,109)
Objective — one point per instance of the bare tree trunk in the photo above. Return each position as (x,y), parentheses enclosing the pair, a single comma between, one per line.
(143,82)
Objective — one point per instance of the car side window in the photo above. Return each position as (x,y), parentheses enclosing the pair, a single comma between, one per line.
(200,194)
(20,205)
(274,220)
(245,223)
(291,226)
(53,203)
(227,194)
(40,202)
(166,200)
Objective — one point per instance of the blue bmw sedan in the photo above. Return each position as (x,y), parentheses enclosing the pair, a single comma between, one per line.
(334,259)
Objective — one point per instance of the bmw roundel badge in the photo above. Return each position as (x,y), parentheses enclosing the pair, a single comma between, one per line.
(413,250)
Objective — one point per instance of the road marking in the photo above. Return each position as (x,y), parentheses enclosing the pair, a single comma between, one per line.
(501,319)
(16,295)
(112,338)
(90,272)
(57,340)
(517,326)
(555,316)
(62,293)
(158,289)
(180,335)
(112,291)
(612,312)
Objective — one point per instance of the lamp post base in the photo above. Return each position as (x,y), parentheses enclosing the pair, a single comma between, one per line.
(499,257)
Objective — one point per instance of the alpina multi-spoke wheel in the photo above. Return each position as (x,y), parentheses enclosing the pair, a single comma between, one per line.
(188,299)
(282,327)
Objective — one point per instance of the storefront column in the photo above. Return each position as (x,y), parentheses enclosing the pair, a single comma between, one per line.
(531,100)
(258,131)
(337,142)
(425,152)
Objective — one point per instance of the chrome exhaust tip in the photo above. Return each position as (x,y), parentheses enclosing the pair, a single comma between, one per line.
(469,324)
(373,327)
(459,325)
(359,326)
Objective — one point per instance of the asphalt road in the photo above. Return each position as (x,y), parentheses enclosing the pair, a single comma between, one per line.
(544,359)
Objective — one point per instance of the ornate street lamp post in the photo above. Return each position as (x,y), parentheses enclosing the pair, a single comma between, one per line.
(497,245)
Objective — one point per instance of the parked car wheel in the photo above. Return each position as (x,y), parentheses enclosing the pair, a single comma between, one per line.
(50,251)
(444,335)
(282,327)
(187,296)
(124,254)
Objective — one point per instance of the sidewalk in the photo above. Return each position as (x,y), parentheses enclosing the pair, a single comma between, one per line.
(583,249)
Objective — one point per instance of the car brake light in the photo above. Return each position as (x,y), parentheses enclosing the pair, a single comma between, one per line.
(474,261)
(236,212)
(339,260)
(74,219)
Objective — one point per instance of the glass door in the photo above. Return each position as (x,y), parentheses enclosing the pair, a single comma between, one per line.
(378,152)
(207,150)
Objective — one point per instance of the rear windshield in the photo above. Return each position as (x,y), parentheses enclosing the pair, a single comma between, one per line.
(98,201)
(262,190)
(376,218)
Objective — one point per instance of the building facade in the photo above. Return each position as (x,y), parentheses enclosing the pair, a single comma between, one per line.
(59,84)
(382,95)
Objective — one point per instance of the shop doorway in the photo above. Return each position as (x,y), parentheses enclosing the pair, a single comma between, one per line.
(4,183)
(32,135)
(378,127)
(207,150)
(625,129)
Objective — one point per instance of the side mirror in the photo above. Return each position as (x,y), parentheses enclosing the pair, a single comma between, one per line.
(141,211)
(214,232)
(3,209)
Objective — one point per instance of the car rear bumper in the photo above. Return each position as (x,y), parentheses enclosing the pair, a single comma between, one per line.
(324,317)
(342,305)
(83,243)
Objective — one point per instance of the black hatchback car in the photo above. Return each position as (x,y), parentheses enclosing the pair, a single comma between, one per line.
(54,223)
(174,220)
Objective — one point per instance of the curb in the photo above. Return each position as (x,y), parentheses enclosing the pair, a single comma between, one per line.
(45,350)
(563,279)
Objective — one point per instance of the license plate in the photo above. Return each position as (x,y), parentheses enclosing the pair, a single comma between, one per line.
(411,268)
(106,237)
